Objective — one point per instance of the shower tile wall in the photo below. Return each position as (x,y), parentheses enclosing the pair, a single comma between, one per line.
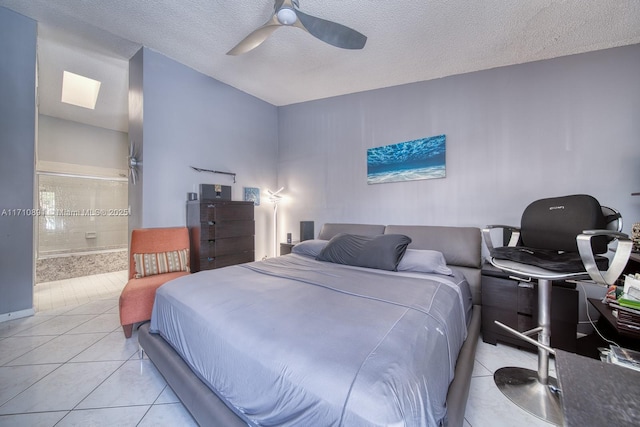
(82,226)
(79,214)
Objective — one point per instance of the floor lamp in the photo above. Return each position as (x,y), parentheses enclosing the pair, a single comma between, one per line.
(275,198)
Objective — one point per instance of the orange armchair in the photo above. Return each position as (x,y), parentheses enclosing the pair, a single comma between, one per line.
(136,299)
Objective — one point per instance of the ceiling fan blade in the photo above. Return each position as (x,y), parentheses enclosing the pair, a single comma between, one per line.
(331,32)
(256,38)
(133,175)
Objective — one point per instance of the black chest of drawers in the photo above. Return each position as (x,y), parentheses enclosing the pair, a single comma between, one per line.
(221,233)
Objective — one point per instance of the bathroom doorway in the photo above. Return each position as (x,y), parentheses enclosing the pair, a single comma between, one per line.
(81,180)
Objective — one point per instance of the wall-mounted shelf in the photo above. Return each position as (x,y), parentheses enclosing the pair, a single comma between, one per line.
(212,171)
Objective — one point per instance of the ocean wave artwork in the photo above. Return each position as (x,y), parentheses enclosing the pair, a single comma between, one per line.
(407,161)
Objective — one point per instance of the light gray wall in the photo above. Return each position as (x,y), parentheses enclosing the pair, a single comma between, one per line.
(193,120)
(17,138)
(65,141)
(513,134)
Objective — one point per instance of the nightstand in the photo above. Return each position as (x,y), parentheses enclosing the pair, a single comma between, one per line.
(515,304)
(285,248)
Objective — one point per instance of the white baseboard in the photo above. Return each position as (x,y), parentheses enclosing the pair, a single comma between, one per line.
(17,315)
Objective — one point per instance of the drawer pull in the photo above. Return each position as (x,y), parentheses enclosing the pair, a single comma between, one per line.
(211,223)
(211,206)
(528,285)
(210,259)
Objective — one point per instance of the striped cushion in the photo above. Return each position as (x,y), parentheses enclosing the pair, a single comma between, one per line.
(161,262)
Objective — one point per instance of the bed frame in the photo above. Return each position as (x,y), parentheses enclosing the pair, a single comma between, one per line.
(461,247)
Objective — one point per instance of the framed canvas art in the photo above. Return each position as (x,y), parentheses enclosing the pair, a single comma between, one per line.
(407,161)
(252,194)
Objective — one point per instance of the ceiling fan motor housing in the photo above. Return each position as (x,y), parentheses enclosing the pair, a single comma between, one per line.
(287,16)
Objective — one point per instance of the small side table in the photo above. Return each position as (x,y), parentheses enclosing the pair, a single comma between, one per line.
(285,248)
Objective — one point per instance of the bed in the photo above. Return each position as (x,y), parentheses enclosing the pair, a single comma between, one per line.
(296,341)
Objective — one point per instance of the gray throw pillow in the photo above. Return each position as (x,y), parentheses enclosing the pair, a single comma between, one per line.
(382,252)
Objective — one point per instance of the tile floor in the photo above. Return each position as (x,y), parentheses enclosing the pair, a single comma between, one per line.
(60,293)
(70,365)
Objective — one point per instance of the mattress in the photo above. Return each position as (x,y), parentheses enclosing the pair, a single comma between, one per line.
(293,341)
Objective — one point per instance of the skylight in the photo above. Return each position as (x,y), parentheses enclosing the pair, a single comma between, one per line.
(79,90)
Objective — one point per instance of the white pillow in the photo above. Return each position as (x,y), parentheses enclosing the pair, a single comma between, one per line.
(310,248)
(424,261)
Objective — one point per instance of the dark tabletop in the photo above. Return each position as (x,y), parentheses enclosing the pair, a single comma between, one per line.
(595,393)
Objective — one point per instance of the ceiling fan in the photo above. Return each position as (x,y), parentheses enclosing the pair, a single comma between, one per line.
(134,163)
(287,13)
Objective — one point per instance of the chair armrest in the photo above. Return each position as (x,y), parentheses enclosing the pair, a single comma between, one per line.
(486,234)
(618,263)
(613,234)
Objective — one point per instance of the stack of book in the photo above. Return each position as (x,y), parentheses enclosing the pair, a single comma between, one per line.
(628,319)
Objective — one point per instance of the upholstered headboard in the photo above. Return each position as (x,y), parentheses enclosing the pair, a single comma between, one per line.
(329,230)
(461,246)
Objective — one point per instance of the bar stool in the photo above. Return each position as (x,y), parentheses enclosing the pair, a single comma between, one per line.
(559,239)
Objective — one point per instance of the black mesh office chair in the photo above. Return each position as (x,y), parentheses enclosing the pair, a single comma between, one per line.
(559,239)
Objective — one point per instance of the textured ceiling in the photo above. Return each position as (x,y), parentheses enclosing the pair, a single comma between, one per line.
(408,40)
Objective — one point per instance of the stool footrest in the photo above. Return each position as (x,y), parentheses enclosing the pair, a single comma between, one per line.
(532,331)
(525,337)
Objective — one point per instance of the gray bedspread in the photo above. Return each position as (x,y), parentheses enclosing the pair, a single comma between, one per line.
(291,341)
